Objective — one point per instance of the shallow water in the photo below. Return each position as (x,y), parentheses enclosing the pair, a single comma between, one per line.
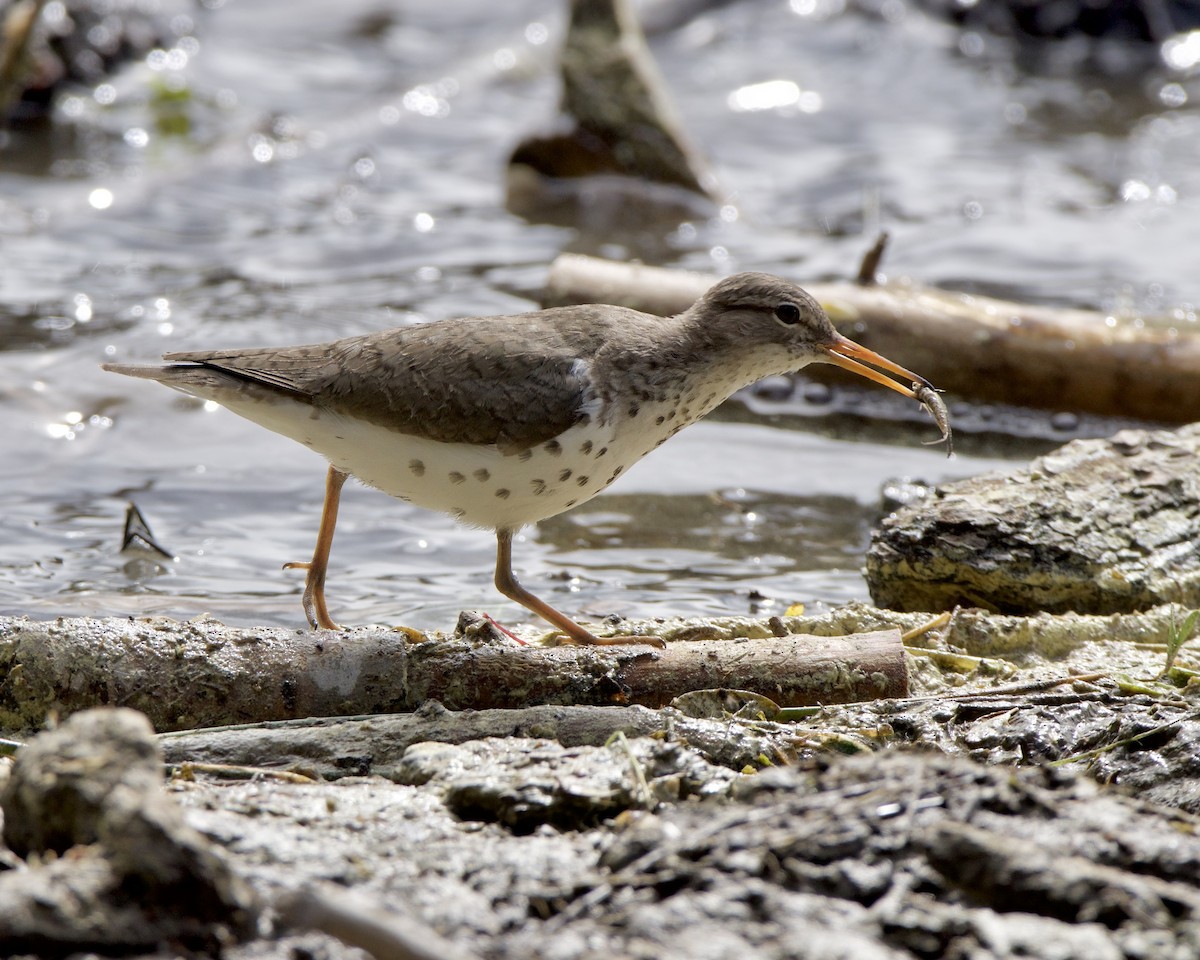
(342,173)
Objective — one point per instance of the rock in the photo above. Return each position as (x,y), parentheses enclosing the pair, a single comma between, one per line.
(524,783)
(81,42)
(1134,23)
(133,874)
(62,780)
(1097,526)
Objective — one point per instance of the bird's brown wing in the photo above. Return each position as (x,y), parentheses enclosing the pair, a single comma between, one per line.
(511,381)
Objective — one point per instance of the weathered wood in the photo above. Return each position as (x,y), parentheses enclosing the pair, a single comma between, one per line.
(332,748)
(203,673)
(791,670)
(1097,526)
(794,671)
(978,347)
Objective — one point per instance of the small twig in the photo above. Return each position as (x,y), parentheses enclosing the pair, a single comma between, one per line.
(941,620)
(358,922)
(137,532)
(230,771)
(639,775)
(868,270)
(1034,686)
(962,662)
(1090,754)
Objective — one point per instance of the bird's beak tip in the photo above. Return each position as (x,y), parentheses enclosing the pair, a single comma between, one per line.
(855,357)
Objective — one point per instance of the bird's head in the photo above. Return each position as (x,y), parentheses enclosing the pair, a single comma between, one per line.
(757,309)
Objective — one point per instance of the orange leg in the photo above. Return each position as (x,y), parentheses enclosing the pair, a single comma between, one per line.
(314,582)
(506,583)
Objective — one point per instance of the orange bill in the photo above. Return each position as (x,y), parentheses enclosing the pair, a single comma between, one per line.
(852,356)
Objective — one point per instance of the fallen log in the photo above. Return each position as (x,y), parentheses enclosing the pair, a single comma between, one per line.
(977,347)
(203,673)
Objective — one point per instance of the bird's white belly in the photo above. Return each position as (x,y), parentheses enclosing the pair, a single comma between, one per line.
(476,484)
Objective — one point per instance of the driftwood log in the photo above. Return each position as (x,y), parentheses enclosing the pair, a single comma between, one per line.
(202,673)
(619,135)
(1097,526)
(976,347)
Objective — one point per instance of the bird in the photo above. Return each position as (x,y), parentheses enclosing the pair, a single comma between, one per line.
(503,421)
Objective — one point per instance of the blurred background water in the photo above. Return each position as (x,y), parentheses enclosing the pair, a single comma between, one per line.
(281,172)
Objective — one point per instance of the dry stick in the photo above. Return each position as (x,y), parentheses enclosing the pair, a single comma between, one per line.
(358,922)
(868,270)
(234,771)
(941,620)
(1033,686)
(1124,741)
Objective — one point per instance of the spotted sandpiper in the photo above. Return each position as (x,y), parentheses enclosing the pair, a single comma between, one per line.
(504,421)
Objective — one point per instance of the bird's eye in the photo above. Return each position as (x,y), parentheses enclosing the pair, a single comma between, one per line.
(788,313)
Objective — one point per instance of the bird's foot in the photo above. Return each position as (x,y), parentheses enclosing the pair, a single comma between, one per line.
(313,600)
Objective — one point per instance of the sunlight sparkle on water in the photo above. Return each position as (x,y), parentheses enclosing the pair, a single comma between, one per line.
(1182,52)
(65,429)
(772,95)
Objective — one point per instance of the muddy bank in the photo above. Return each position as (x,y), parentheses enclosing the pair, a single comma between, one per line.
(935,824)
(643,848)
